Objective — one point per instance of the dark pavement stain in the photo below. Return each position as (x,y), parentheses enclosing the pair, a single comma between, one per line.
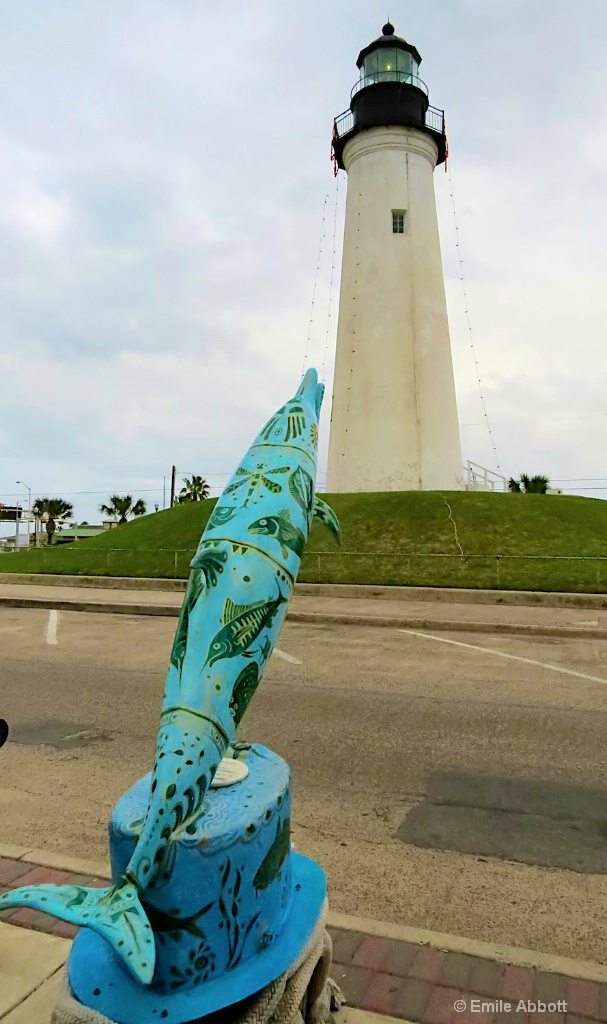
(534,822)
(61,735)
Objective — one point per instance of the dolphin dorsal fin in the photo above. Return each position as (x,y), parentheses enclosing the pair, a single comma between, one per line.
(325,514)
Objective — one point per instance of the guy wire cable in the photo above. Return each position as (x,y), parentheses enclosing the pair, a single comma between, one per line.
(461,271)
(324,362)
(322,235)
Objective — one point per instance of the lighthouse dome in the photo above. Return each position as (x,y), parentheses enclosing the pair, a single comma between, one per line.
(389,59)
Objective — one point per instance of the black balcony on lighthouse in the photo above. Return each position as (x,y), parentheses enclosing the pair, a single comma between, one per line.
(389,92)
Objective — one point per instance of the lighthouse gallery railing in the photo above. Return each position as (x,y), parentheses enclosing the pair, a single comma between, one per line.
(344,123)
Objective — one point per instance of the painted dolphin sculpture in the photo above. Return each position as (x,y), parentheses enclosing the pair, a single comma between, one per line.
(239,588)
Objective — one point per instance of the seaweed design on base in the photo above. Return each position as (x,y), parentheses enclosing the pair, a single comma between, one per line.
(229,906)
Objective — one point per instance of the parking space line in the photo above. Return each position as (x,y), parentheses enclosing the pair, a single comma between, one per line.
(287,657)
(511,657)
(51,630)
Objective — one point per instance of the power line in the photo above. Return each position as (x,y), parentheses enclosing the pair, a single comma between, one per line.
(107,490)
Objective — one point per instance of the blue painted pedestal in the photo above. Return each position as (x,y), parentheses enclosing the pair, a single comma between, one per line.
(236,913)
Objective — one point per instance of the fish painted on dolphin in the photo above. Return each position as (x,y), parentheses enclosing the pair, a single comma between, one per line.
(240,584)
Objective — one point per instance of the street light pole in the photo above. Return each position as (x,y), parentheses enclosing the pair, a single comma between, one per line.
(29,508)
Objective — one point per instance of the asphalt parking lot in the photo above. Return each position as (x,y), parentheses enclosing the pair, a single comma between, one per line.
(454,782)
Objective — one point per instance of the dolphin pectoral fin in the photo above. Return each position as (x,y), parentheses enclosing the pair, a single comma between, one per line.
(114,913)
(325,514)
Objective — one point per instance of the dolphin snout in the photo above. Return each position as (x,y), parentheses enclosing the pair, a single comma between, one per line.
(311,391)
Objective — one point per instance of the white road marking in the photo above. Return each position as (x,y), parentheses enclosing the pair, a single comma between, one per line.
(287,657)
(511,657)
(51,631)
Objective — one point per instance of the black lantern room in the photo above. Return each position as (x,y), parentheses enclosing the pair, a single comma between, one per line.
(389,92)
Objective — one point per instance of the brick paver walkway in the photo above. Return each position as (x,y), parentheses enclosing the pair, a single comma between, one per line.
(422,983)
(15,873)
(395,978)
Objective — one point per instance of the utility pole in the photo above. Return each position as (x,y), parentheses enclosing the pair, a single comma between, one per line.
(164,493)
(173,475)
(29,508)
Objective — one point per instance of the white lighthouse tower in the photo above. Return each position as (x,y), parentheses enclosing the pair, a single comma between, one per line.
(394,420)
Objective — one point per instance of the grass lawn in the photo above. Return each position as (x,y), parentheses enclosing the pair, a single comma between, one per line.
(508,541)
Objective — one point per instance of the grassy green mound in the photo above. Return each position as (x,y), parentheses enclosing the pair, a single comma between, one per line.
(461,539)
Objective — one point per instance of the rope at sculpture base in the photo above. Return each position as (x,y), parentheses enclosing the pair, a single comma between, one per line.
(302,995)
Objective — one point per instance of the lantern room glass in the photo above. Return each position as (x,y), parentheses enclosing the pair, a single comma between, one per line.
(389,64)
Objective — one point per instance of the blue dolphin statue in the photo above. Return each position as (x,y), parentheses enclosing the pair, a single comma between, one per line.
(240,585)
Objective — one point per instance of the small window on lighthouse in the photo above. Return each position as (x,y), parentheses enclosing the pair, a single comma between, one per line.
(398,222)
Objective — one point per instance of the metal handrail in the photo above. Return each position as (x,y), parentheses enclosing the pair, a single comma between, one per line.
(344,123)
(377,77)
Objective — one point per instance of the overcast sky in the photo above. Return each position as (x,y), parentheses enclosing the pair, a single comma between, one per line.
(164,168)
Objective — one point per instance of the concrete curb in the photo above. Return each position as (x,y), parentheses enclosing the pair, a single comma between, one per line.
(51,859)
(449,595)
(109,607)
(448,625)
(583,969)
(97,582)
(325,618)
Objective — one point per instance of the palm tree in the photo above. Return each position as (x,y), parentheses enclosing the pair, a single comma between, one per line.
(529,484)
(123,507)
(52,509)
(196,489)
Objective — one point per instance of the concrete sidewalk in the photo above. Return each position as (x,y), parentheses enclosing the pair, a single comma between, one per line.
(382,969)
(513,619)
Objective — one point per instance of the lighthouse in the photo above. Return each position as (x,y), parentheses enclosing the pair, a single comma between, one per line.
(394,419)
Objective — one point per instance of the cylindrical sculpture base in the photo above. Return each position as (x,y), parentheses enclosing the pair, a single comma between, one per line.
(236,912)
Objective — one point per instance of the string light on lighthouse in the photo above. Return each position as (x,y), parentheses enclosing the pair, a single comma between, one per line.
(461,274)
(357,264)
(324,362)
(322,235)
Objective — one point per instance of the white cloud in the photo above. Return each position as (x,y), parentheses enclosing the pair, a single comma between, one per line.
(164,168)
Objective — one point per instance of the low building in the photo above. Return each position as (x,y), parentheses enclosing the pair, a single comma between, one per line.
(68,534)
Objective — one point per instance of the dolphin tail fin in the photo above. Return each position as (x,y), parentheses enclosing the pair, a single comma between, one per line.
(115,913)
(325,514)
